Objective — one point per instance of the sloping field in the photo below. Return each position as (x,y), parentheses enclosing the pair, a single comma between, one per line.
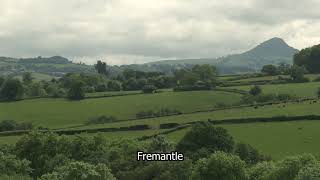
(298,89)
(57,113)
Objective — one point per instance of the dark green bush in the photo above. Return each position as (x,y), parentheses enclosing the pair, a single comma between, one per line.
(157,113)
(102,120)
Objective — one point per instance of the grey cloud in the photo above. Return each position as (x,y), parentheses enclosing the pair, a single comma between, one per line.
(126,31)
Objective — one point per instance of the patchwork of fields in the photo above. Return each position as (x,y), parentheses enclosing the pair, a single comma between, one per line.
(278,139)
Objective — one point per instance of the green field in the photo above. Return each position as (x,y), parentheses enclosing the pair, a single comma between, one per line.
(58,113)
(278,139)
(38,77)
(270,78)
(290,109)
(298,89)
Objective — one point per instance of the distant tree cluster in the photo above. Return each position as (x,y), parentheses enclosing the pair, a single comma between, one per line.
(197,78)
(296,72)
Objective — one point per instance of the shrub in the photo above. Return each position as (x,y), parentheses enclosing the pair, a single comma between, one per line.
(249,154)
(11,125)
(255,90)
(159,113)
(149,89)
(102,120)
(80,170)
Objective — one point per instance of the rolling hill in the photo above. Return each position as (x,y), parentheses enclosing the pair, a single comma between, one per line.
(273,51)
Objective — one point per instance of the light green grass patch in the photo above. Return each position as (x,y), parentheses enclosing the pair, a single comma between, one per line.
(298,89)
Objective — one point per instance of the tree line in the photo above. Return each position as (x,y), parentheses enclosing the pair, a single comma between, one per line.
(75,85)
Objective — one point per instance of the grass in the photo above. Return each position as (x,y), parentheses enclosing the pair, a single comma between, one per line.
(9,139)
(298,89)
(278,139)
(111,93)
(58,113)
(270,78)
(38,77)
(290,109)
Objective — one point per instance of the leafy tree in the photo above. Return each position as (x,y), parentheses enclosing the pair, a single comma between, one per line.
(261,171)
(270,70)
(131,84)
(309,58)
(101,68)
(204,138)
(284,68)
(11,89)
(309,172)
(297,73)
(249,154)
(76,91)
(80,170)
(114,86)
(161,171)
(11,165)
(220,165)
(289,168)
(160,144)
(206,72)
(255,90)
(36,89)
(37,148)
(1,81)
(27,78)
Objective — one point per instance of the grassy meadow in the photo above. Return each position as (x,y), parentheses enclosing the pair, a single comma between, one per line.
(59,113)
(299,89)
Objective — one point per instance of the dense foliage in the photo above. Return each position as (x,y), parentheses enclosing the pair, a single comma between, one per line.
(48,156)
(309,58)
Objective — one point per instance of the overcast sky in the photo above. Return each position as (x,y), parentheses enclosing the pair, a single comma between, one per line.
(136,31)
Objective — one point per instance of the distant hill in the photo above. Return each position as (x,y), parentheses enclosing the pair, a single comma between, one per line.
(273,51)
(54,66)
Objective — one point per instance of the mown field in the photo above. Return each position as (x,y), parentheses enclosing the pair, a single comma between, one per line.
(298,89)
(58,113)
